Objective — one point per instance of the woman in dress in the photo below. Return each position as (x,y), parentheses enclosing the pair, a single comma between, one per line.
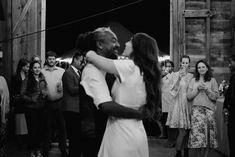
(178,115)
(203,92)
(137,83)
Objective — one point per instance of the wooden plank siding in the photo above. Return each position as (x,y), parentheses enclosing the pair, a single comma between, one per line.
(233,29)
(20,39)
(5,33)
(207,32)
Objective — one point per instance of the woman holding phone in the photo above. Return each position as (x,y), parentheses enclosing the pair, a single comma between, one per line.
(178,115)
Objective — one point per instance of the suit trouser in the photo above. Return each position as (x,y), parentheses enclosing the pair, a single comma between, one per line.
(72,122)
(34,124)
(230,136)
(91,140)
(90,147)
(53,115)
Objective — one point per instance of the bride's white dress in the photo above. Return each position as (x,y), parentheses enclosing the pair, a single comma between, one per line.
(126,137)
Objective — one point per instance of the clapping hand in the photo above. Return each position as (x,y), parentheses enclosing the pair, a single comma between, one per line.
(202,87)
(59,87)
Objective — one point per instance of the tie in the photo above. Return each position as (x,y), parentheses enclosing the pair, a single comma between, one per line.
(79,72)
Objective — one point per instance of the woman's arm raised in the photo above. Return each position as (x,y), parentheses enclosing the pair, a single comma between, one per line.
(101,62)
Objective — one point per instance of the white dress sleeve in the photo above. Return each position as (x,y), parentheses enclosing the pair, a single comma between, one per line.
(125,68)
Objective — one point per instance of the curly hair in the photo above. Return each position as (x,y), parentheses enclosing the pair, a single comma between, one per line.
(145,56)
(207,76)
(31,83)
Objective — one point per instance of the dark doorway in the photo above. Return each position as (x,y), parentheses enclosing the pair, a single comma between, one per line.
(65,21)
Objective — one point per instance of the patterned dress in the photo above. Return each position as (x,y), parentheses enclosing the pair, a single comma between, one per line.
(203,123)
(178,115)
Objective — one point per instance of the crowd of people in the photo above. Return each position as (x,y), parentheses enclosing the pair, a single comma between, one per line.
(98,102)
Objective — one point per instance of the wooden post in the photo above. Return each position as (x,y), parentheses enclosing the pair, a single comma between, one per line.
(28,19)
(233,29)
(43,29)
(175,33)
(6,26)
(208,34)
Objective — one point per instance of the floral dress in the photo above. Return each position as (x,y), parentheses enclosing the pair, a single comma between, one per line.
(203,123)
(178,115)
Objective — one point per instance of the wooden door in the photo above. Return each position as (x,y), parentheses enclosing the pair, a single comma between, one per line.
(202,29)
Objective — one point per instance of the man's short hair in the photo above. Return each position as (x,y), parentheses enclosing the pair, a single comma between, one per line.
(76,55)
(51,54)
(101,31)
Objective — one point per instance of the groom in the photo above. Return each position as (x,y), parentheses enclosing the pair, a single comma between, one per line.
(96,102)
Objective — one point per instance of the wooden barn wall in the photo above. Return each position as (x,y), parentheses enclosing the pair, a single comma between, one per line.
(23,31)
(6,45)
(206,37)
(26,20)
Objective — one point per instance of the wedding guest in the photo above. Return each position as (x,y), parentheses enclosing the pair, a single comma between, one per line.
(167,100)
(203,92)
(53,108)
(17,102)
(178,115)
(228,109)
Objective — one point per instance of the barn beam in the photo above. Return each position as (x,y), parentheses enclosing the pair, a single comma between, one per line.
(22,15)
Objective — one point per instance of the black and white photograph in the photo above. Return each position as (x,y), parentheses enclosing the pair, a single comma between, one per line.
(117,78)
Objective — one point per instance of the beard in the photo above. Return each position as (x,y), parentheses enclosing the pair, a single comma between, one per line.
(51,64)
(112,54)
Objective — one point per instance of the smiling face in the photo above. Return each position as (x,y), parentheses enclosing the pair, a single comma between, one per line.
(107,43)
(36,69)
(202,68)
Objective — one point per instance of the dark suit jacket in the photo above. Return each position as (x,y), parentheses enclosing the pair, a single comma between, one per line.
(15,92)
(230,96)
(71,83)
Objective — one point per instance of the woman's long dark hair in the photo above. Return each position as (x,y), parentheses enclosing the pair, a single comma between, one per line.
(31,83)
(207,76)
(22,62)
(145,56)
